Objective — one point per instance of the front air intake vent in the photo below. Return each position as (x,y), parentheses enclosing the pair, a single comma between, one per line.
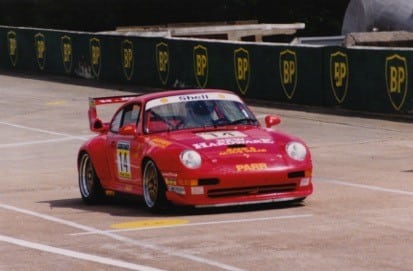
(296,174)
(252,190)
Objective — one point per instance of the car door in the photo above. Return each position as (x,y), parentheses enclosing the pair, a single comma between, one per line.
(123,149)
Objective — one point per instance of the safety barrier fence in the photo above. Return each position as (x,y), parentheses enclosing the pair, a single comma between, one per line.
(365,79)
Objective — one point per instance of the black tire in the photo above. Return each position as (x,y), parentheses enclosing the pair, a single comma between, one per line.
(89,183)
(153,188)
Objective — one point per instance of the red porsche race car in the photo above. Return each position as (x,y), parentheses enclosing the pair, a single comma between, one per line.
(191,147)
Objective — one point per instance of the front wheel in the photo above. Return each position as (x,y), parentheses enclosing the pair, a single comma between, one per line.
(89,183)
(153,187)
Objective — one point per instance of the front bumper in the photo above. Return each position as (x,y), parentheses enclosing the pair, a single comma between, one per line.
(236,189)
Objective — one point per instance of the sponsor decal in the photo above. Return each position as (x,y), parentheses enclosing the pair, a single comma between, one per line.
(231,141)
(95,56)
(242,150)
(288,72)
(12,47)
(162,61)
(221,134)
(396,80)
(123,159)
(40,50)
(159,142)
(197,190)
(193,97)
(66,49)
(251,167)
(201,65)
(127,56)
(242,69)
(339,75)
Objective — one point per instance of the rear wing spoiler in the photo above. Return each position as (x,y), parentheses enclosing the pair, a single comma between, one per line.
(96,124)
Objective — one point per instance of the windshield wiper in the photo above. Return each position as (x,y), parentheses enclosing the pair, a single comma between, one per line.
(244,121)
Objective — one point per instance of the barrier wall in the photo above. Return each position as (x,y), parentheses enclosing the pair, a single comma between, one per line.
(373,79)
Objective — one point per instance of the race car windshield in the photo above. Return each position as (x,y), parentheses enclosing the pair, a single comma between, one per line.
(190,114)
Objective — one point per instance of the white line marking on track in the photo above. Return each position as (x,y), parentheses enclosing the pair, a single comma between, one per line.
(77,255)
(364,186)
(167,251)
(20,144)
(206,223)
(43,131)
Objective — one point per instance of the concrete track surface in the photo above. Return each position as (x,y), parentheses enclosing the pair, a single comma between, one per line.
(360,216)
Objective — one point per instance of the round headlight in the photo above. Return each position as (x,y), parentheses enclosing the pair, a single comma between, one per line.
(191,159)
(296,151)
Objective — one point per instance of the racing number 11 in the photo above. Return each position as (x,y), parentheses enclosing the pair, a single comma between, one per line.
(123,159)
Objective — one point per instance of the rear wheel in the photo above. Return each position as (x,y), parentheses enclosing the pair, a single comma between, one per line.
(89,183)
(153,187)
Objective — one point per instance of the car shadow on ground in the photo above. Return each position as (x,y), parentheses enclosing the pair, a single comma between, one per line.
(127,206)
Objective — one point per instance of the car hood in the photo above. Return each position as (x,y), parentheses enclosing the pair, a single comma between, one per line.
(229,144)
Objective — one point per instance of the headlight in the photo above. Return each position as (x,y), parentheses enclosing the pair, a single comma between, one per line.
(296,151)
(191,159)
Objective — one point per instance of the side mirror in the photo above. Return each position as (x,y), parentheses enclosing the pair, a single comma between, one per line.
(128,130)
(98,126)
(272,121)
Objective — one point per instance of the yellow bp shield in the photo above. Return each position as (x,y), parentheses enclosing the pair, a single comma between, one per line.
(40,50)
(162,61)
(339,75)
(201,65)
(242,69)
(396,80)
(288,72)
(12,47)
(128,61)
(95,56)
(66,49)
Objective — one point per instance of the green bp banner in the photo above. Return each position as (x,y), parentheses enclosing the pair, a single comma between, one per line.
(375,80)
(366,79)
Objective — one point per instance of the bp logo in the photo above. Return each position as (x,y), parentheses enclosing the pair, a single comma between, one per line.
(12,47)
(95,56)
(40,50)
(339,75)
(201,65)
(67,52)
(128,61)
(396,80)
(242,69)
(162,61)
(288,72)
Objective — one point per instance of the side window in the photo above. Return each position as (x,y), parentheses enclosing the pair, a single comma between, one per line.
(131,115)
(128,115)
(115,125)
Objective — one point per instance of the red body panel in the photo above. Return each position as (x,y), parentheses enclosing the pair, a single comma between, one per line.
(240,163)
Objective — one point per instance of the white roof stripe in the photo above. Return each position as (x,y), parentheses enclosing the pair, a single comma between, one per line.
(192,97)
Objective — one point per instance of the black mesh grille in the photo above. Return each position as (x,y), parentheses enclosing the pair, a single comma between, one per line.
(251,190)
